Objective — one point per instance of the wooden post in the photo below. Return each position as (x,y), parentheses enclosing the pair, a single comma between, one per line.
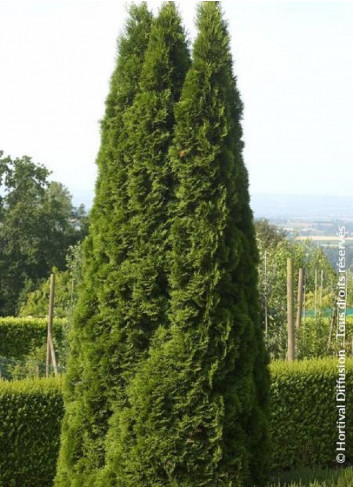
(315,294)
(265,293)
(50,347)
(304,301)
(47,361)
(290,312)
(300,298)
(333,321)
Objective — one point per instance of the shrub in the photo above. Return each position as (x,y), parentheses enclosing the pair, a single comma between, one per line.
(315,337)
(30,419)
(304,413)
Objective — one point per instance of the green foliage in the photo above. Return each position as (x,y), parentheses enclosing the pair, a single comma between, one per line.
(36,303)
(23,346)
(133,236)
(167,378)
(37,225)
(30,418)
(197,410)
(268,235)
(66,287)
(22,336)
(315,477)
(317,338)
(273,282)
(304,413)
(303,425)
(89,382)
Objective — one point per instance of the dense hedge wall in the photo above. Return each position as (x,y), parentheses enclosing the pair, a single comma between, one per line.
(304,413)
(21,336)
(30,419)
(303,422)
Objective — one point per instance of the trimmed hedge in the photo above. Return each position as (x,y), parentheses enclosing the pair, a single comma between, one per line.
(21,336)
(30,422)
(304,413)
(303,422)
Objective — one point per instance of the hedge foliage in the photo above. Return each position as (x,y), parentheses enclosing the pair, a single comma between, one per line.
(304,414)
(21,336)
(30,419)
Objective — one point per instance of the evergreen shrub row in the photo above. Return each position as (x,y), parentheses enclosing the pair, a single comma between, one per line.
(304,413)
(303,422)
(30,420)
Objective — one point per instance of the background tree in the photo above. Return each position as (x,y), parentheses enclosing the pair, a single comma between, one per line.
(274,249)
(37,225)
(197,412)
(268,235)
(36,302)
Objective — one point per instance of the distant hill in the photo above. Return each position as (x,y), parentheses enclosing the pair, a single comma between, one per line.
(302,206)
(315,207)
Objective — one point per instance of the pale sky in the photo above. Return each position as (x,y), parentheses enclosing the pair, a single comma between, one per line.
(293,60)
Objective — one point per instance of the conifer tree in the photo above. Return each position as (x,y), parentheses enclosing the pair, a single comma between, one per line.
(125,292)
(87,384)
(198,402)
(150,122)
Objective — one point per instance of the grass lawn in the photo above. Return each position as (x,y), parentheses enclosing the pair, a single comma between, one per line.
(315,477)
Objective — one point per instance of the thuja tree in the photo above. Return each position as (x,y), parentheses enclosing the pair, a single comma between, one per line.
(140,282)
(88,383)
(125,292)
(198,403)
(144,302)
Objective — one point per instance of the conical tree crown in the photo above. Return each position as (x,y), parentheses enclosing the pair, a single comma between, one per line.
(139,284)
(167,382)
(193,399)
(143,276)
(87,386)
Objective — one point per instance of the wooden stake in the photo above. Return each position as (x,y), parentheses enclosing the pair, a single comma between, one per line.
(50,347)
(300,298)
(315,294)
(333,321)
(47,361)
(290,312)
(321,287)
(304,301)
(265,292)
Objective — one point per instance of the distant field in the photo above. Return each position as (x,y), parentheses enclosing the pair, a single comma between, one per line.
(321,238)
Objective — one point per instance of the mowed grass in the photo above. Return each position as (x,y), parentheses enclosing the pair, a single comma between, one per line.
(315,477)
